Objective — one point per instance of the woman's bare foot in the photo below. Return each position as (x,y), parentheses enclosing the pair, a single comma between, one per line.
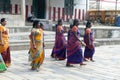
(69,65)
(33,68)
(92,60)
(82,64)
(86,59)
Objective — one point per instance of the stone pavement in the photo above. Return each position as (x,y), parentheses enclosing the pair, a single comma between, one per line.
(105,67)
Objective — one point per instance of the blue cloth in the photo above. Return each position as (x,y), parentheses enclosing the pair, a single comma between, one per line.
(88,53)
(75,58)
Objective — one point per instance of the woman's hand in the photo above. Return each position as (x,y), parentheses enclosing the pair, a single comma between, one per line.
(83,44)
(34,46)
(43,44)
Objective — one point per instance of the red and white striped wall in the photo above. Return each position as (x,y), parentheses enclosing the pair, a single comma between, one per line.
(54,13)
(28,10)
(16,9)
(57,12)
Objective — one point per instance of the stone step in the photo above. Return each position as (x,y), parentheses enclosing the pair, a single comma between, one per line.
(19,29)
(99,31)
(20,40)
(24,44)
(25,36)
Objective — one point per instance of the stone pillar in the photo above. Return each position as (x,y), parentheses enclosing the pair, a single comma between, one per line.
(23,11)
(87,8)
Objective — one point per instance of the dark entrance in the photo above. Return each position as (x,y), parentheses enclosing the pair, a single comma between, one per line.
(39,8)
(5,6)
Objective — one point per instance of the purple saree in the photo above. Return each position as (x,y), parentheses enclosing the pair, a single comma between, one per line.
(59,49)
(74,51)
(89,49)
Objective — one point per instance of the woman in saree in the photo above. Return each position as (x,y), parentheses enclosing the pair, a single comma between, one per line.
(59,49)
(74,50)
(36,50)
(4,42)
(89,40)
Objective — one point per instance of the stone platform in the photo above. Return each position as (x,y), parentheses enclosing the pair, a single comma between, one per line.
(105,67)
(104,35)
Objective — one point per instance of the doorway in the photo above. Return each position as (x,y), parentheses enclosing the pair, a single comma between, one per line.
(39,8)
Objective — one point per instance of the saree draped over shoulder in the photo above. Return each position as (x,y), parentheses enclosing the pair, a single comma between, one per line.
(5,50)
(37,55)
(59,49)
(89,39)
(74,51)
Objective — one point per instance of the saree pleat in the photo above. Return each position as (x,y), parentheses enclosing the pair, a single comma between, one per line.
(6,57)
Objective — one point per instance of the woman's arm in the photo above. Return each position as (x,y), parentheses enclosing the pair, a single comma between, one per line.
(81,42)
(0,35)
(33,39)
(90,43)
(88,31)
(1,41)
(75,29)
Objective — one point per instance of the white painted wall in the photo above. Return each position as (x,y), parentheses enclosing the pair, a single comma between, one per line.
(57,3)
(108,5)
(53,3)
(13,20)
(105,4)
(18,2)
(80,4)
(29,3)
(13,2)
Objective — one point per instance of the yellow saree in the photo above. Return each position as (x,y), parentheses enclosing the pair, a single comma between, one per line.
(37,55)
(4,36)
(4,45)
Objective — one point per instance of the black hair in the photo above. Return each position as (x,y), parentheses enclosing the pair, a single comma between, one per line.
(88,24)
(75,22)
(71,25)
(2,20)
(41,24)
(35,23)
(59,21)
